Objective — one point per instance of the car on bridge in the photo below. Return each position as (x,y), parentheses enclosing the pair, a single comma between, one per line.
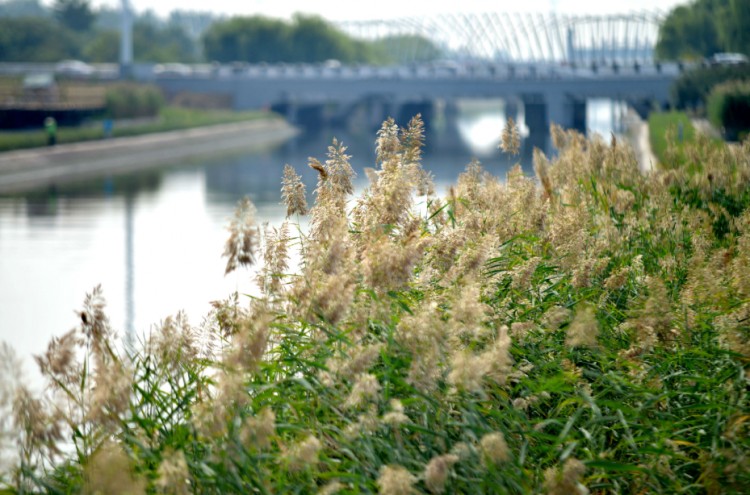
(74,68)
(728,59)
(172,70)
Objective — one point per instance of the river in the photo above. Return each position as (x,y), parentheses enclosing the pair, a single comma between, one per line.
(154,240)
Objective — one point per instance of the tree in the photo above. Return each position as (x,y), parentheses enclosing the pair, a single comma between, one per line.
(35,39)
(313,40)
(703,28)
(162,43)
(103,47)
(260,39)
(153,43)
(74,14)
(405,48)
(248,39)
(735,32)
(688,32)
(22,8)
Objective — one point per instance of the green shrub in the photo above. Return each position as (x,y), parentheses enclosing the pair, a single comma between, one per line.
(691,90)
(729,108)
(131,101)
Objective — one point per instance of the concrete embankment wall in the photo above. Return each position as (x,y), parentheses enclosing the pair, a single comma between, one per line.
(23,170)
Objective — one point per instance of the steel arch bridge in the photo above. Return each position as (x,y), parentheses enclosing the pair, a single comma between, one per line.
(522,37)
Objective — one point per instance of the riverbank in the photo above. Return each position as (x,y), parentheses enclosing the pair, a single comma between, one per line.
(169,118)
(23,170)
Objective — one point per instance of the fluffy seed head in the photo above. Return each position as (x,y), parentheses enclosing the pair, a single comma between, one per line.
(243,237)
(510,141)
(396,415)
(174,477)
(293,192)
(584,329)
(257,430)
(494,448)
(387,144)
(305,453)
(365,388)
(59,360)
(566,481)
(109,470)
(436,472)
(395,480)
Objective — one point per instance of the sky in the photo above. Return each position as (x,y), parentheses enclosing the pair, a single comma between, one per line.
(383,9)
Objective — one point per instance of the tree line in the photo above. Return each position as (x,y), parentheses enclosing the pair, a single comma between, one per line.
(705,27)
(73,29)
(306,39)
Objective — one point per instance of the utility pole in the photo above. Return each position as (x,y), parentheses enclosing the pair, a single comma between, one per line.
(126,40)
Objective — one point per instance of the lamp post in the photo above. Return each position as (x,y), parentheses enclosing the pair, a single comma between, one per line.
(126,40)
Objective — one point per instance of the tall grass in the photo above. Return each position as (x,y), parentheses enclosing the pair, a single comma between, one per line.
(581,332)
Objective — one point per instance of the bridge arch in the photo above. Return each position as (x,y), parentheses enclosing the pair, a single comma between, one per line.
(525,37)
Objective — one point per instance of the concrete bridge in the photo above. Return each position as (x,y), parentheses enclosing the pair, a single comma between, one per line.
(548,64)
(548,92)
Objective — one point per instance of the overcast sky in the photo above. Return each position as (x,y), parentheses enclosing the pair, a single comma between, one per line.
(381,9)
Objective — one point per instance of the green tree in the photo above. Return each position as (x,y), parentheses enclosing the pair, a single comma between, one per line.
(729,108)
(405,48)
(35,39)
(162,43)
(152,43)
(703,28)
(76,15)
(688,32)
(735,27)
(249,39)
(22,8)
(312,39)
(103,47)
(260,39)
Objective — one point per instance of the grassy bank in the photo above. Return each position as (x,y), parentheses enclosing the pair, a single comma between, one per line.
(584,331)
(169,119)
(664,135)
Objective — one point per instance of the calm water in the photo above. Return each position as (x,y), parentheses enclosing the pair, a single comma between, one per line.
(154,241)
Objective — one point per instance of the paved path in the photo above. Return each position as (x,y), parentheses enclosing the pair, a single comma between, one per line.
(640,140)
(41,167)
(703,126)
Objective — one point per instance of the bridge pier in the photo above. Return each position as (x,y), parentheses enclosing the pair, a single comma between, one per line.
(535,112)
(566,112)
(304,115)
(367,114)
(511,109)
(579,116)
(409,109)
(444,126)
(543,110)
(372,112)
